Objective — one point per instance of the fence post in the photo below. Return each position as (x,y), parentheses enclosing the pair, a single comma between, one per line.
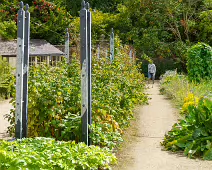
(89,20)
(106,52)
(19,72)
(67,46)
(25,72)
(98,51)
(131,55)
(84,68)
(112,45)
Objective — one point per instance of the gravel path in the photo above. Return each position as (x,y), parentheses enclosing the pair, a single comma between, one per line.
(141,149)
(5,107)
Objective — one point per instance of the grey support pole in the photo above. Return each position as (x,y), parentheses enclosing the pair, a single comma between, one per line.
(84,76)
(112,45)
(89,59)
(106,52)
(131,57)
(67,46)
(19,72)
(98,51)
(25,72)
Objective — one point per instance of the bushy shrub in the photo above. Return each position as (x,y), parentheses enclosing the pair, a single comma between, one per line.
(8,30)
(55,99)
(7,79)
(44,16)
(199,62)
(193,134)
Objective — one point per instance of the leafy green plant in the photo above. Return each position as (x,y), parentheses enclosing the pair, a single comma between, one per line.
(105,135)
(55,99)
(199,62)
(8,30)
(54,102)
(193,135)
(7,79)
(46,153)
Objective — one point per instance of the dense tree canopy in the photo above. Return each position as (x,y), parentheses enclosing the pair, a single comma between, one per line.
(157,28)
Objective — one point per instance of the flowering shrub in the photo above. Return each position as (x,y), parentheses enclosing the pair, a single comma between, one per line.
(44,16)
(190,100)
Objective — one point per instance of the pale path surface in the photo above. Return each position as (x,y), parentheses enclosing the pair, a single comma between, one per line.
(142,149)
(5,107)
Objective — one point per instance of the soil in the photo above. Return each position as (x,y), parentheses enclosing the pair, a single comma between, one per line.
(5,107)
(141,149)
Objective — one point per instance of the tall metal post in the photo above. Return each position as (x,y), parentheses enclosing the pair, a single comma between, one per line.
(112,45)
(98,51)
(67,46)
(19,72)
(84,68)
(25,72)
(131,57)
(89,59)
(106,53)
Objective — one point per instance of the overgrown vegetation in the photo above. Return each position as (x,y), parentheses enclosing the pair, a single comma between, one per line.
(192,133)
(7,79)
(55,100)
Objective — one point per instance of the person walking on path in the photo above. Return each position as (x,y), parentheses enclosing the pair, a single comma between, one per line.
(151,72)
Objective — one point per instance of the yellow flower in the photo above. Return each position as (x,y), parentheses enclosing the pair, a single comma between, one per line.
(190,100)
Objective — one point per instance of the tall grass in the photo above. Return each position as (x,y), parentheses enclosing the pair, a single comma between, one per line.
(178,87)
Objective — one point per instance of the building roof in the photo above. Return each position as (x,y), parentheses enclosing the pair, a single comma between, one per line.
(38,47)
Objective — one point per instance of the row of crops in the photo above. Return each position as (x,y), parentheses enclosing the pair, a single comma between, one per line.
(54,115)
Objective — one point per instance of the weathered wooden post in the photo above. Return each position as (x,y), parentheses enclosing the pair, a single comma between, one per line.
(112,45)
(19,72)
(25,72)
(89,73)
(67,46)
(84,75)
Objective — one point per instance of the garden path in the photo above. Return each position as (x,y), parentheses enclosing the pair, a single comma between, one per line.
(5,107)
(141,149)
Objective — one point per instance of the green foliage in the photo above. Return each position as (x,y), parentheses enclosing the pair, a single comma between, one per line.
(199,62)
(44,16)
(7,79)
(54,102)
(106,134)
(46,153)
(8,30)
(74,6)
(204,26)
(118,87)
(177,87)
(193,134)
(55,99)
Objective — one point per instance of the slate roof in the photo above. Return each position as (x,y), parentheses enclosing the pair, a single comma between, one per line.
(38,47)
